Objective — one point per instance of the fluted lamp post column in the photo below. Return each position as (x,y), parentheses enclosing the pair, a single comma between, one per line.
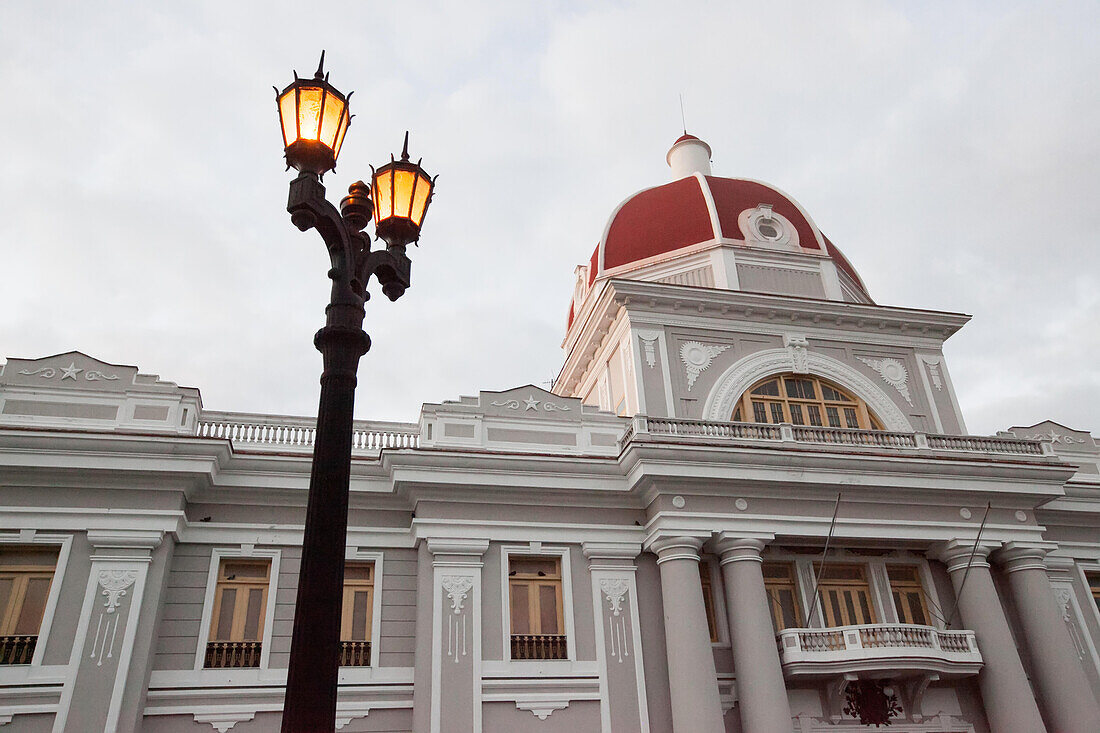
(314,119)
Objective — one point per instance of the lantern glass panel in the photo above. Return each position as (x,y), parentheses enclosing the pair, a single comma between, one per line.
(420,202)
(403,182)
(309,112)
(383,203)
(340,133)
(330,122)
(289,118)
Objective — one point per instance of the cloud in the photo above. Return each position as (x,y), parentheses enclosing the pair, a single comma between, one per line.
(954,160)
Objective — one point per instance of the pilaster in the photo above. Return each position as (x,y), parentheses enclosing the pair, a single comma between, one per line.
(109,617)
(456,634)
(623,704)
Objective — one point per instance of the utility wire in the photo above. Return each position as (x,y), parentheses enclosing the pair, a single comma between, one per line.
(821,567)
(969,562)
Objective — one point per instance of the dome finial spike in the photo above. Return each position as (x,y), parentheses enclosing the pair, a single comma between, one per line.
(321,67)
(405,149)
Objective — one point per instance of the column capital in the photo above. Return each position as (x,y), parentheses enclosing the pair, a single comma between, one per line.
(676,547)
(958,552)
(455,552)
(1015,556)
(611,550)
(737,549)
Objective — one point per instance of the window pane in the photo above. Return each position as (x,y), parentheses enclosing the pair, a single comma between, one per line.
(834,417)
(850,417)
(776,570)
(225,615)
(539,567)
(34,603)
(770,389)
(6,585)
(359,610)
(758,413)
(865,617)
(796,414)
(252,614)
(548,609)
(737,414)
(903,573)
(22,557)
(833,395)
(241,570)
(916,608)
(521,623)
(815,414)
(787,604)
(358,571)
(777,412)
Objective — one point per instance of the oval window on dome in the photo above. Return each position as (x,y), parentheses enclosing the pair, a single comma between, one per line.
(768,230)
(803,399)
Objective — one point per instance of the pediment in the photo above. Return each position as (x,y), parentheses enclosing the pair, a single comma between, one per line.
(1057,434)
(530,402)
(77,370)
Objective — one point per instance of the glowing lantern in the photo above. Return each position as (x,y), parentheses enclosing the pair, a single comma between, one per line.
(314,118)
(402,192)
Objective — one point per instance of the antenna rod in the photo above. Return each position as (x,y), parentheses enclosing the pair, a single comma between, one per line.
(683,119)
(821,567)
(970,560)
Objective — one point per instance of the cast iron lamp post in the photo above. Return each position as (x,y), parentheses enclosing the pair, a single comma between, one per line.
(314,119)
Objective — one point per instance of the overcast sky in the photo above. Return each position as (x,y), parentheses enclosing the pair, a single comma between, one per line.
(950,149)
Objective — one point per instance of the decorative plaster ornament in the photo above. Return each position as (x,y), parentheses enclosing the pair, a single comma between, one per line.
(648,348)
(531,404)
(1021,516)
(933,365)
(678,502)
(797,346)
(697,357)
(893,373)
(94,376)
(70,371)
(741,505)
(1064,596)
(615,589)
(114,584)
(965,513)
(44,372)
(1054,437)
(457,588)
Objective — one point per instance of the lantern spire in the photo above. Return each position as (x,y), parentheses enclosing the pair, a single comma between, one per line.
(320,67)
(405,149)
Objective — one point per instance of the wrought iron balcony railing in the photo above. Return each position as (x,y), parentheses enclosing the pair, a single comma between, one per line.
(354,653)
(232,654)
(17,649)
(539,646)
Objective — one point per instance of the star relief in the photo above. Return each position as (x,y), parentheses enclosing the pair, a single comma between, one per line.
(70,371)
(531,403)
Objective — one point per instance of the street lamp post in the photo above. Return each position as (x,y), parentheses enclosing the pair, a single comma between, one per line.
(314,118)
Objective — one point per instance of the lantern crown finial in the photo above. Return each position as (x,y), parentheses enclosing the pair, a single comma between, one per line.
(405,148)
(320,67)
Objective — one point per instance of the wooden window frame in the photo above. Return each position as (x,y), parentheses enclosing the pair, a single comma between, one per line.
(898,586)
(351,587)
(865,583)
(774,605)
(240,610)
(746,407)
(217,554)
(62,545)
(568,626)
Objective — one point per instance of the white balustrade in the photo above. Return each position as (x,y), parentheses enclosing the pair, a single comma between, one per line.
(299,432)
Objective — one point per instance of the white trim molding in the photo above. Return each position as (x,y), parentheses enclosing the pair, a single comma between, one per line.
(754,367)
(247,551)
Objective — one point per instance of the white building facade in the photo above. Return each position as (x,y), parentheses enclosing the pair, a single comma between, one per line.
(749,504)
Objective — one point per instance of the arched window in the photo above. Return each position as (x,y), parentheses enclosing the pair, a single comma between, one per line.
(803,399)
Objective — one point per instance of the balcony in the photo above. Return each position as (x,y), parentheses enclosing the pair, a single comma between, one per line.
(232,654)
(17,649)
(539,646)
(681,430)
(274,433)
(878,650)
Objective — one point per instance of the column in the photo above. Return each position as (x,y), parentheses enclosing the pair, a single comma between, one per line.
(761,691)
(693,684)
(618,635)
(456,635)
(1009,701)
(1066,697)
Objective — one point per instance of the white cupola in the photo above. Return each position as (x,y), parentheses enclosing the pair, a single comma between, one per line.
(687,156)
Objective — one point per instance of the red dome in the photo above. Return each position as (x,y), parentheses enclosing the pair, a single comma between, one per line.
(695,210)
